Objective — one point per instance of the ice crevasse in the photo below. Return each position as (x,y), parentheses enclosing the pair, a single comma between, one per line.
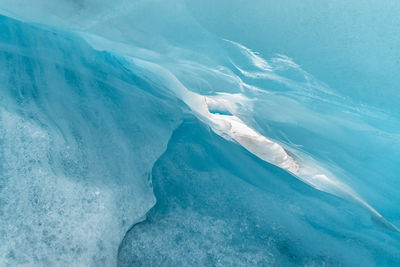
(133,133)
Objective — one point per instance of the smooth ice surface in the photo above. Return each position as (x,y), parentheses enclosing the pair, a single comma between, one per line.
(269,131)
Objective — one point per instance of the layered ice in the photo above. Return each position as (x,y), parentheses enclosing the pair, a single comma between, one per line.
(135,133)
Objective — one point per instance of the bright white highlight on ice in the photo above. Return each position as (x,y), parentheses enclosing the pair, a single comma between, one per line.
(218,111)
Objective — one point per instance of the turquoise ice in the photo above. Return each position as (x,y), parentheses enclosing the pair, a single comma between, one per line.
(199,133)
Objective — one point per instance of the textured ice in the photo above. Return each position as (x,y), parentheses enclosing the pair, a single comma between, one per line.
(75,164)
(152,133)
(212,212)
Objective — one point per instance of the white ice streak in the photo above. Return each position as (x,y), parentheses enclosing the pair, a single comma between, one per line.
(270,70)
(228,125)
(233,128)
(253,56)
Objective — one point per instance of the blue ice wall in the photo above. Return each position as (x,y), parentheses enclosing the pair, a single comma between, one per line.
(77,148)
(218,205)
(352,46)
(165,133)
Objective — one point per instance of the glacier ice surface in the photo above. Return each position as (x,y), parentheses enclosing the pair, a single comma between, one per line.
(137,133)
